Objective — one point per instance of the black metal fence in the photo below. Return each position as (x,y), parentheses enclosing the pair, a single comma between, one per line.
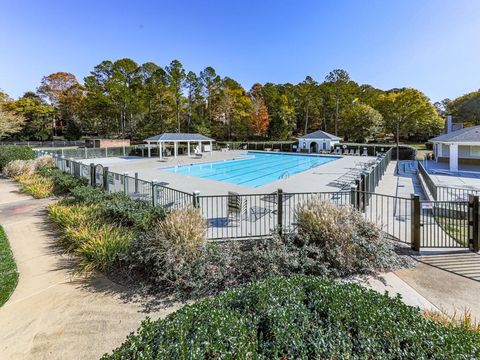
(53,143)
(236,216)
(368,181)
(92,153)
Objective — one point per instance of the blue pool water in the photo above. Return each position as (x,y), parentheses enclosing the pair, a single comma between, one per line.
(256,170)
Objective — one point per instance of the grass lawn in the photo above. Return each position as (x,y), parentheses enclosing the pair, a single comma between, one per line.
(457,230)
(8,269)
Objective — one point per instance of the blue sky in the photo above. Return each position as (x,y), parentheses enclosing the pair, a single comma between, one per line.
(432,45)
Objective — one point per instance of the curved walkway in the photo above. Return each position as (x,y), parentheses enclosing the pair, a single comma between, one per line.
(52,315)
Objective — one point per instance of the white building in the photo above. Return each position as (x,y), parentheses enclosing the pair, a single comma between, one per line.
(187,139)
(316,141)
(461,146)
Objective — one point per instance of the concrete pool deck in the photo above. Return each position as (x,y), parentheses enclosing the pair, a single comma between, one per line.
(469,178)
(318,179)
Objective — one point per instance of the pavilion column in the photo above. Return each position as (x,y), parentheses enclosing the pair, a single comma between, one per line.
(439,151)
(453,157)
(200,146)
(161,150)
(148,149)
(211,148)
(175,148)
(188,147)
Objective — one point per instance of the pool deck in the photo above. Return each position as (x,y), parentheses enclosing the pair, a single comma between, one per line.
(318,179)
(469,177)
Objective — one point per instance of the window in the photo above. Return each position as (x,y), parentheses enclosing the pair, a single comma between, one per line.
(475,151)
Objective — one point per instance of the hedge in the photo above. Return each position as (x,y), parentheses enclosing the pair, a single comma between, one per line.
(12,152)
(298,318)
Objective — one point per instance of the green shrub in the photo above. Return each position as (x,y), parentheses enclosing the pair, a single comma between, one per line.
(12,152)
(125,211)
(88,195)
(63,183)
(8,269)
(298,318)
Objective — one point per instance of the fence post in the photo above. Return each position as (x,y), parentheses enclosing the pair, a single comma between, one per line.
(353,196)
(136,183)
(415,222)
(473,223)
(92,175)
(71,166)
(364,188)
(280,210)
(106,152)
(196,199)
(125,183)
(357,193)
(154,193)
(105,178)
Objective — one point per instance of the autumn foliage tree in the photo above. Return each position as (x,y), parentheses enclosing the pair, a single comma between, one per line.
(125,99)
(65,94)
(260,119)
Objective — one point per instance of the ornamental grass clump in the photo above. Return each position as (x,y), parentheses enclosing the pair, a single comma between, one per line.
(98,245)
(45,161)
(17,168)
(342,240)
(103,247)
(184,228)
(37,186)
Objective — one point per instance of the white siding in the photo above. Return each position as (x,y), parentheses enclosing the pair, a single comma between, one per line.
(464,152)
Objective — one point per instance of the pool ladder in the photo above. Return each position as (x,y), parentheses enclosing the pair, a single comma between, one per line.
(285,175)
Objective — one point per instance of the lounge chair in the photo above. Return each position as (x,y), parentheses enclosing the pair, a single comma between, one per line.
(197,152)
(365,152)
(236,207)
(357,152)
(352,152)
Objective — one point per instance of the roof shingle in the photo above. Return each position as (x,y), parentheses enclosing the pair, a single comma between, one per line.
(320,134)
(465,135)
(179,137)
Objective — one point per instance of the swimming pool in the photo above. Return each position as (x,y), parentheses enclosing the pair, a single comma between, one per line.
(256,170)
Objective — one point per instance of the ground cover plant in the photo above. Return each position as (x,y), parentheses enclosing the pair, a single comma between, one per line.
(8,269)
(300,317)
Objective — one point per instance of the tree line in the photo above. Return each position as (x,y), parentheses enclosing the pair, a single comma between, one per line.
(125,99)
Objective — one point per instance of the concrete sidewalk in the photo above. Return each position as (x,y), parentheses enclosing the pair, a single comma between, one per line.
(449,280)
(52,315)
